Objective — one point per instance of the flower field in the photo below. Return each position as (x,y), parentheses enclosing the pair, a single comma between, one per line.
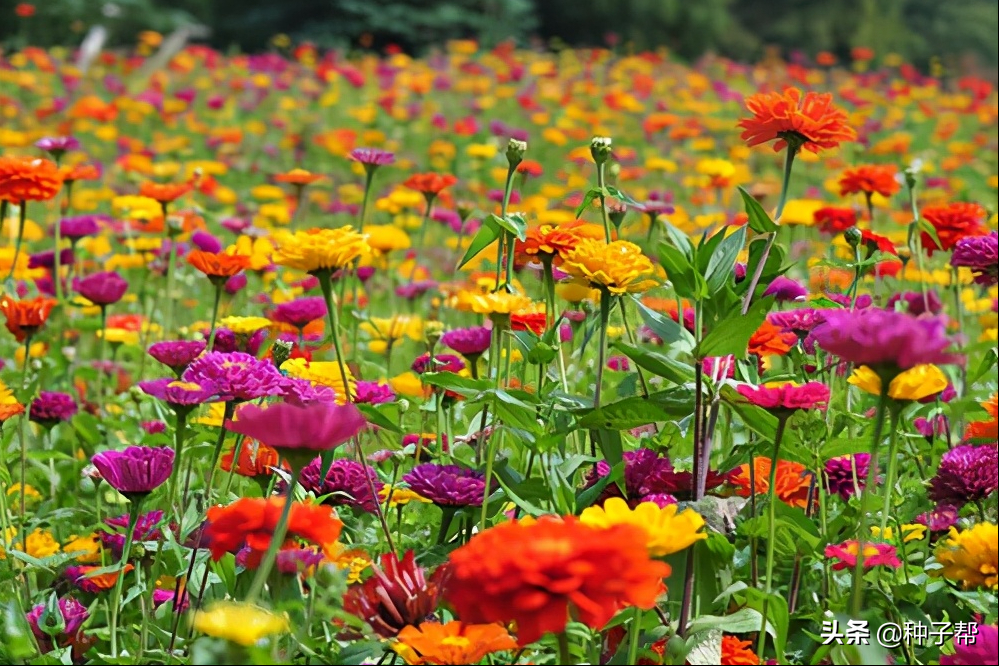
(496,356)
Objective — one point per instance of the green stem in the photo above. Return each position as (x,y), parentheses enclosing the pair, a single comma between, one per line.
(369,176)
(113,605)
(446,519)
(280,531)
(771,237)
(870,490)
(178,438)
(771,534)
(215,315)
(605,308)
(636,632)
(601,184)
(171,278)
(892,464)
(785,185)
(549,280)
(422,237)
(23,441)
(22,220)
(327,288)
(229,410)
(101,351)
(564,653)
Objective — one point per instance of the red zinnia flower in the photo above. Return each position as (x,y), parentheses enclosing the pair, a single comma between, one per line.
(165,193)
(529,321)
(833,220)
(875,554)
(24,318)
(953,222)
(869,179)
(396,596)
(811,122)
(430,184)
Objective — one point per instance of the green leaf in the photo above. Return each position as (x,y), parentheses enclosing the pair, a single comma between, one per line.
(665,328)
(680,272)
(588,496)
(680,241)
(625,414)
(376,418)
(721,265)
(449,381)
(731,335)
(487,234)
(658,364)
(759,220)
(744,621)
(515,223)
(621,196)
(85,425)
(609,443)
(757,419)
(823,302)
(588,199)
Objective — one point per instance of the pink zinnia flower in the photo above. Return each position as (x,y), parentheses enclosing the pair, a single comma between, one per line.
(300,312)
(236,375)
(787,397)
(875,554)
(317,427)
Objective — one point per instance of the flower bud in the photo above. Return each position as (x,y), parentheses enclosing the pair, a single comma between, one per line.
(433,330)
(600,149)
(281,352)
(52,621)
(515,152)
(853,236)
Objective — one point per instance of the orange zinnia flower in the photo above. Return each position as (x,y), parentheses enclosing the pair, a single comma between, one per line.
(165,193)
(452,643)
(127,322)
(24,318)
(218,266)
(952,223)
(28,179)
(550,242)
(737,653)
(770,339)
(255,459)
(430,184)
(811,122)
(251,522)
(869,179)
(792,480)
(538,573)
(987,430)
(71,174)
(299,177)
(10,410)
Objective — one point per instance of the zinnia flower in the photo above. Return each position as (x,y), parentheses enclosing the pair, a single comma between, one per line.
(85,579)
(893,341)
(966,474)
(452,643)
(538,573)
(792,480)
(916,383)
(319,250)
(73,613)
(250,523)
(981,255)
(869,179)
(875,554)
(164,194)
(468,341)
(25,318)
(397,595)
(979,645)
(447,485)
(735,652)
(300,312)
(137,470)
(971,557)
(619,267)
(347,483)
(316,427)
(832,220)
(28,179)
(177,354)
(810,122)
(847,474)
(667,531)
(429,184)
(218,266)
(372,157)
(52,407)
(255,459)
(235,375)
(788,397)
(102,288)
(952,223)
(987,430)
(239,622)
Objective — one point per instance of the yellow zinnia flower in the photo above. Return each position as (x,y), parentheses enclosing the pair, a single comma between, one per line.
(323,373)
(394,328)
(386,238)
(244,325)
(319,250)
(910,532)
(400,496)
(494,303)
(915,383)
(239,622)
(40,543)
(971,556)
(87,549)
(668,531)
(619,267)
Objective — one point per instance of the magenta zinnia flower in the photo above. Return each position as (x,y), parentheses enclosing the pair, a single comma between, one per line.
(102,288)
(176,354)
(447,485)
(300,312)
(800,322)
(787,397)
(46,259)
(981,255)
(785,290)
(136,470)
(52,407)
(317,427)
(373,393)
(966,474)
(840,474)
(977,646)
(940,519)
(372,158)
(468,341)
(146,529)
(181,396)
(235,375)
(302,392)
(74,614)
(347,483)
(57,145)
(81,226)
(440,363)
(881,339)
(875,554)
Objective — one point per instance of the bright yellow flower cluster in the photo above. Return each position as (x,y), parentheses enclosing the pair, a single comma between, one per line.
(319,250)
(916,383)
(668,531)
(619,267)
(971,556)
(238,622)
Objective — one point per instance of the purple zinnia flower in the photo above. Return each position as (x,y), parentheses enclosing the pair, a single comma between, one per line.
(302,392)
(176,354)
(153,427)
(373,393)
(940,519)
(413,290)
(206,242)
(161,596)
(81,226)
(931,428)
(300,312)
(235,375)
(347,483)
(618,363)
(237,225)
(840,477)
(46,259)
(136,470)
(146,529)
(372,158)
(440,363)
(648,474)
(447,485)
(182,396)
(319,426)
(882,339)
(74,614)
(102,289)
(52,407)
(235,284)
(800,322)
(980,254)
(57,145)
(784,290)
(966,474)
(227,342)
(468,341)
(978,645)
(915,304)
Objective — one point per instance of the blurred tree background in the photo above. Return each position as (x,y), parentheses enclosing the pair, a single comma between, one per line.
(919,30)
